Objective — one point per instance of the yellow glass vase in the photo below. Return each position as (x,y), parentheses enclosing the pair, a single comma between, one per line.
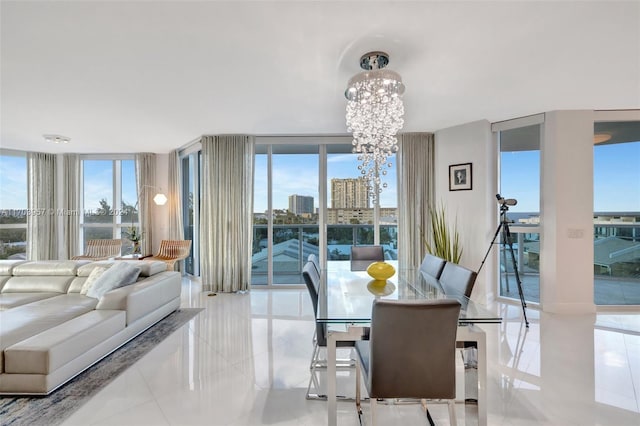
(381,271)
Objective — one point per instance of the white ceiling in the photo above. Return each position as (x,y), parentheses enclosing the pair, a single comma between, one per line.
(126,76)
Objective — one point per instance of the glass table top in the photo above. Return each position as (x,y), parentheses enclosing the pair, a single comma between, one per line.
(346,296)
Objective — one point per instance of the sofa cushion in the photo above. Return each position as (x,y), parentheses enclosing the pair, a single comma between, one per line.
(20,323)
(6,266)
(12,300)
(3,280)
(48,267)
(92,278)
(53,348)
(37,283)
(119,275)
(76,284)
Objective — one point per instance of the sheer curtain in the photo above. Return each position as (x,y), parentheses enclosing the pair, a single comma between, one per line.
(226,212)
(71,204)
(176,227)
(416,164)
(42,243)
(145,177)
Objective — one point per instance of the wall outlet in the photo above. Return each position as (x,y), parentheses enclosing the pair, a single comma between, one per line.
(575,233)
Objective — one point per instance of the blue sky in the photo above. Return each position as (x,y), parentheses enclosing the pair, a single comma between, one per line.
(98,183)
(616,176)
(298,174)
(13,182)
(616,179)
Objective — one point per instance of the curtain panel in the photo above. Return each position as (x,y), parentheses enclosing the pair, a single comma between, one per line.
(226,212)
(42,243)
(145,178)
(416,186)
(71,205)
(176,227)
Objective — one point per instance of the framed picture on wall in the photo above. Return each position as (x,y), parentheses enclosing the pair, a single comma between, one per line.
(460,177)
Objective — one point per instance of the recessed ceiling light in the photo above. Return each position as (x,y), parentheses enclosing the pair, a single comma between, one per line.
(601,137)
(56,139)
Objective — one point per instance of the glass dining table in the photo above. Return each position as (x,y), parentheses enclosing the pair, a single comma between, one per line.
(345,298)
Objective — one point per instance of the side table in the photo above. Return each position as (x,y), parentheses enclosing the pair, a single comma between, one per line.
(133,257)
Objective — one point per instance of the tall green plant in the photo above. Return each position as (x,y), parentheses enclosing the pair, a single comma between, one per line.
(443,241)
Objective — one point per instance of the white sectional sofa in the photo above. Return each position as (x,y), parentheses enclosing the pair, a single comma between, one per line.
(49,332)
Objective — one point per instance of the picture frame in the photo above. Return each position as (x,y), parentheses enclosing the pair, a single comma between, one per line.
(460,177)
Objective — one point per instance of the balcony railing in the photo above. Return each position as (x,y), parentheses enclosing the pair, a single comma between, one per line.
(292,245)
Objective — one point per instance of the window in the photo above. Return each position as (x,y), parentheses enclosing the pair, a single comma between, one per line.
(110,200)
(13,205)
(191,168)
(616,196)
(351,218)
(520,180)
(293,189)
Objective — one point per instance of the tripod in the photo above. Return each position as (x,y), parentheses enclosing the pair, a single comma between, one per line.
(506,243)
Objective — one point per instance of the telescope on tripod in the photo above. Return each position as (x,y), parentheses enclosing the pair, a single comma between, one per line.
(503,229)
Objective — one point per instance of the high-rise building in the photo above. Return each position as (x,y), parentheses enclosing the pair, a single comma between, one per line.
(300,204)
(349,193)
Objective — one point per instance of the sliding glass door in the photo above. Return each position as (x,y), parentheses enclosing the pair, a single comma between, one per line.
(286,182)
(520,181)
(303,186)
(191,167)
(616,196)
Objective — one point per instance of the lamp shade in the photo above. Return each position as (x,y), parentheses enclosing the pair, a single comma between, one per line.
(160,199)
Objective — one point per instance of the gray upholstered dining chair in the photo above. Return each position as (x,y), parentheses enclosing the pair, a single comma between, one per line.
(410,352)
(363,256)
(457,280)
(312,281)
(314,259)
(432,265)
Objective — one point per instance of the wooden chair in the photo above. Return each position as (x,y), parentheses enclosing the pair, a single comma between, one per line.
(172,251)
(101,250)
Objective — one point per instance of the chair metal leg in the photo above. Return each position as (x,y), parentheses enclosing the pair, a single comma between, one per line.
(314,357)
(423,402)
(452,412)
(358,405)
(373,403)
(322,365)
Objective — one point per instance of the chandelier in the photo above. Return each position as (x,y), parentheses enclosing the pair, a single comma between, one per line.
(374,116)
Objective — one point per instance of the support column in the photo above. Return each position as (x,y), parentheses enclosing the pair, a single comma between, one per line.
(566,213)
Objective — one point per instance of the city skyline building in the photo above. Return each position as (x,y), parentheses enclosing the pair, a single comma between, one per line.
(301,204)
(349,193)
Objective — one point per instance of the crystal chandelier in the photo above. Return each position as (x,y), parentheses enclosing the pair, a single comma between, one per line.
(374,116)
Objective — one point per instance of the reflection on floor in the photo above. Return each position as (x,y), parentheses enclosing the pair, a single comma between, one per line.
(245,361)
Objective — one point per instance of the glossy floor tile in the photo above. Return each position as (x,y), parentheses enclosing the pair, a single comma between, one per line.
(245,361)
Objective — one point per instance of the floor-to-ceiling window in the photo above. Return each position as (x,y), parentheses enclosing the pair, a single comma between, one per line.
(191,164)
(306,184)
(519,180)
(286,202)
(616,196)
(109,199)
(352,218)
(13,205)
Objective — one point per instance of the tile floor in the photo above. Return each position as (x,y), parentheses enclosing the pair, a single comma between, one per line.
(245,359)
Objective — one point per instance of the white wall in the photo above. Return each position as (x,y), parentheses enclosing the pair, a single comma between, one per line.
(476,209)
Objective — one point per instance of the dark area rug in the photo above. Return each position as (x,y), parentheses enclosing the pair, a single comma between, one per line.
(56,407)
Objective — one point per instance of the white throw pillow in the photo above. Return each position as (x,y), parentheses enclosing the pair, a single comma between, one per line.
(91,279)
(119,275)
